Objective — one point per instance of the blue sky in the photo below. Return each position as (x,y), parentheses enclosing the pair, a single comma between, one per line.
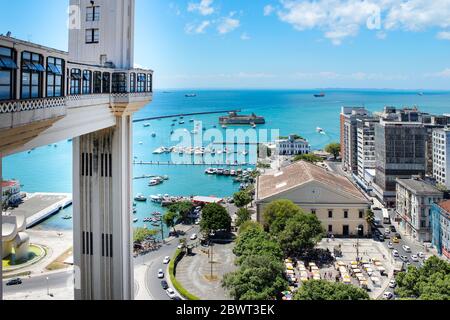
(403,44)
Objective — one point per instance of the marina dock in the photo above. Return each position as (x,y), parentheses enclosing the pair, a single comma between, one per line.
(169,163)
(184,115)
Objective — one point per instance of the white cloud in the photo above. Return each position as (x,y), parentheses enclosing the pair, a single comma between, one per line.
(441,74)
(268,10)
(245,36)
(443,35)
(358,76)
(341,19)
(196,29)
(228,24)
(204,7)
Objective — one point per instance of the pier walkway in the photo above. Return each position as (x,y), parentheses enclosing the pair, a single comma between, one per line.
(185,115)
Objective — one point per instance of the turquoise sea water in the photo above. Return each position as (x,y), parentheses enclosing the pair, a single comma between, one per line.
(48,168)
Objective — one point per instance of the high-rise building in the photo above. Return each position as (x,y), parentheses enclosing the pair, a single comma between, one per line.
(399,151)
(440,223)
(349,140)
(441,156)
(366,151)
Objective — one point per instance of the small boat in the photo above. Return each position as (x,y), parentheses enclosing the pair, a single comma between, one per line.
(320,95)
(160,150)
(165,177)
(135,220)
(171,132)
(210,171)
(156,213)
(155,182)
(172,125)
(140,142)
(244,153)
(181,122)
(192,120)
(146,125)
(220,171)
(153,134)
(420,93)
(224,127)
(190,95)
(156,224)
(226,172)
(134,210)
(68,217)
(319,129)
(141,198)
(157,198)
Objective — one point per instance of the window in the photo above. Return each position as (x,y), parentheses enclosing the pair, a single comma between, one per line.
(106,82)
(313,211)
(93,13)
(7,74)
(55,76)
(92,35)
(97,82)
(141,80)
(132,82)
(330,214)
(361,214)
(75,81)
(119,83)
(149,82)
(87,81)
(32,70)
(330,228)
(345,214)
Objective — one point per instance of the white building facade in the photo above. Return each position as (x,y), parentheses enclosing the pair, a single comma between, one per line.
(292,146)
(441,156)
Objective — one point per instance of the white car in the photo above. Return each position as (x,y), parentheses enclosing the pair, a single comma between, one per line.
(414,258)
(395,254)
(171,293)
(197,222)
(180,246)
(160,274)
(194,236)
(388,295)
(387,231)
(392,284)
(390,245)
(166,260)
(406,249)
(421,255)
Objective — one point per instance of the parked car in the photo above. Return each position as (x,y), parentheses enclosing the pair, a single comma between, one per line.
(171,293)
(381,238)
(393,229)
(166,260)
(406,249)
(404,258)
(160,274)
(388,295)
(387,231)
(398,235)
(164,285)
(14,282)
(395,240)
(194,236)
(414,258)
(390,245)
(421,255)
(392,284)
(395,254)
(177,298)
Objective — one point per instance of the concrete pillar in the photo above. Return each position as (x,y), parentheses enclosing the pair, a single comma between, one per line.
(1,228)
(102,220)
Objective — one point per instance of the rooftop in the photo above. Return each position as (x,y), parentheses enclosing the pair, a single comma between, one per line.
(10,183)
(300,173)
(445,205)
(418,186)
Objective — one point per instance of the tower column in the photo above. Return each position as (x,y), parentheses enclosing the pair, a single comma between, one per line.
(102,220)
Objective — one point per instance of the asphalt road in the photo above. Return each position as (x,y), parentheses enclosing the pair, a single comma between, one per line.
(153,261)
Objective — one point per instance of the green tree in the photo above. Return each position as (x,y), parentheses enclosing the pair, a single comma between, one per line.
(308,158)
(140,234)
(242,199)
(256,241)
(260,277)
(249,225)
(326,290)
(215,217)
(302,232)
(333,148)
(243,215)
(430,282)
(370,218)
(183,209)
(170,219)
(277,213)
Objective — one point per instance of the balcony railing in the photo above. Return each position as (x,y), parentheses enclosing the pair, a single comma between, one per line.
(11,106)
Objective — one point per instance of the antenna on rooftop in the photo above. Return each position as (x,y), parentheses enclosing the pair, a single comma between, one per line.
(8,34)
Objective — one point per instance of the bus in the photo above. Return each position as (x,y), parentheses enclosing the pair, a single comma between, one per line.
(386,216)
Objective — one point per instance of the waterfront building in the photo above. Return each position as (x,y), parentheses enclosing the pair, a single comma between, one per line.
(234,118)
(414,201)
(293,145)
(366,152)
(88,94)
(337,203)
(399,151)
(441,156)
(11,193)
(349,140)
(440,222)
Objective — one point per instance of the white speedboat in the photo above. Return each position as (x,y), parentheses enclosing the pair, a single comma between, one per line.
(146,125)
(319,129)
(156,198)
(155,182)
(140,197)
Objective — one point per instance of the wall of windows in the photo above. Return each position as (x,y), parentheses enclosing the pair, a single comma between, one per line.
(87,81)
(149,83)
(7,73)
(141,82)
(119,82)
(132,82)
(97,80)
(31,75)
(106,82)
(75,81)
(55,76)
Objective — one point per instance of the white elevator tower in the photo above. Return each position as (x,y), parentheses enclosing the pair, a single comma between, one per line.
(102,31)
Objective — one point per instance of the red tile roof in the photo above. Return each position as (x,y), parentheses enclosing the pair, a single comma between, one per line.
(445,205)
(10,183)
